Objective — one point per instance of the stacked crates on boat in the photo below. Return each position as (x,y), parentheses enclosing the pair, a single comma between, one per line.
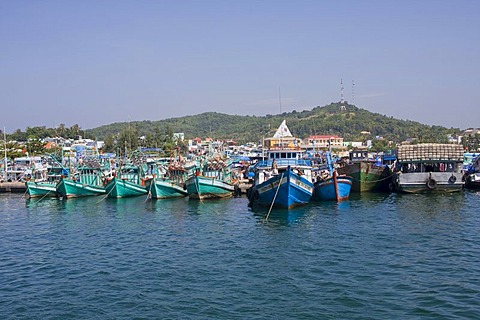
(430,152)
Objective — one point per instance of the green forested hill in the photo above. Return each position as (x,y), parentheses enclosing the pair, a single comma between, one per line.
(320,120)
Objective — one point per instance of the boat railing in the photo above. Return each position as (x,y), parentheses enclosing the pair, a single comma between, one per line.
(284,163)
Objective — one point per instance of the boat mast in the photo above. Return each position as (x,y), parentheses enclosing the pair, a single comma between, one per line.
(280,104)
(280,99)
(5,149)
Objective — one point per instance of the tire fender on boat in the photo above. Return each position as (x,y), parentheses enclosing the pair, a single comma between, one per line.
(431,183)
(452,179)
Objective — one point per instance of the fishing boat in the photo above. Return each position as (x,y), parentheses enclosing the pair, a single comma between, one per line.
(44,179)
(282,183)
(367,175)
(86,172)
(169,182)
(125,183)
(212,179)
(84,182)
(284,180)
(37,189)
(472,174)
(331,187)
(429,167)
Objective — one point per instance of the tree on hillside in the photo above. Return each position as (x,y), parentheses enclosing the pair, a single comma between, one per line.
(18,135)
(127,141)
(379,145)
(35,147)
(14,150)
(61,130)
(109,143)
(471,143)
(320,120)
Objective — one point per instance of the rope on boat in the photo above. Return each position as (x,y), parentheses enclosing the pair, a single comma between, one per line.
(149,195)
(198,191)
(275,197)
(373,181)
(105,196)
(44,195)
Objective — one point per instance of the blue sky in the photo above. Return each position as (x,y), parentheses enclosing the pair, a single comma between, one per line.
(98,62)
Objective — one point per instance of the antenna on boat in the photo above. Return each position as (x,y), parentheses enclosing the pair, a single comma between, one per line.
(280,99)
(5,149)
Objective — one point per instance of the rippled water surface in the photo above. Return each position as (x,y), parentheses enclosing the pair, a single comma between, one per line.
(376,256)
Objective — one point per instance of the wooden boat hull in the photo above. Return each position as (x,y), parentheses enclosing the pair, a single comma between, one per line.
(164,189)
(366,176)
(428,182)
(40,189)
(72,189)
(284,191)
(118,188)
(327,191)
(200,187)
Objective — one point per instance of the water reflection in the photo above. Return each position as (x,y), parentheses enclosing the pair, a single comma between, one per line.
(279,216)
(430,204)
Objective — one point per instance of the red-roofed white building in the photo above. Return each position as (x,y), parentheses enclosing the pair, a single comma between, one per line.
(322,141)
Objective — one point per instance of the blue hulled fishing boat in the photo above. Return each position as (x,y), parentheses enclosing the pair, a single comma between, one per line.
(282,184)
(330,186)
(285,179)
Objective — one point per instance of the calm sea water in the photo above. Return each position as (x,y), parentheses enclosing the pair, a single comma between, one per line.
(377,256)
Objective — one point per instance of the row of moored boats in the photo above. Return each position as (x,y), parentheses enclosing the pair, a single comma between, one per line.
(284,178)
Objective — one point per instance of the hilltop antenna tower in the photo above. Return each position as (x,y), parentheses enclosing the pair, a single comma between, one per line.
(342,102)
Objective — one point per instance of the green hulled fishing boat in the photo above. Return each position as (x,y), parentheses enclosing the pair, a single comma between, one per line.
(210,181)
(70,189)
(85,181)
(37,189)
(119,188)
(201,187)
(169,182)
(159,188)
(126,183)
(45,180)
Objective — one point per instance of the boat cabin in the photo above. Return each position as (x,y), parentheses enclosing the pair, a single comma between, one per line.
(431,166)
(285,154)
(358,155)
